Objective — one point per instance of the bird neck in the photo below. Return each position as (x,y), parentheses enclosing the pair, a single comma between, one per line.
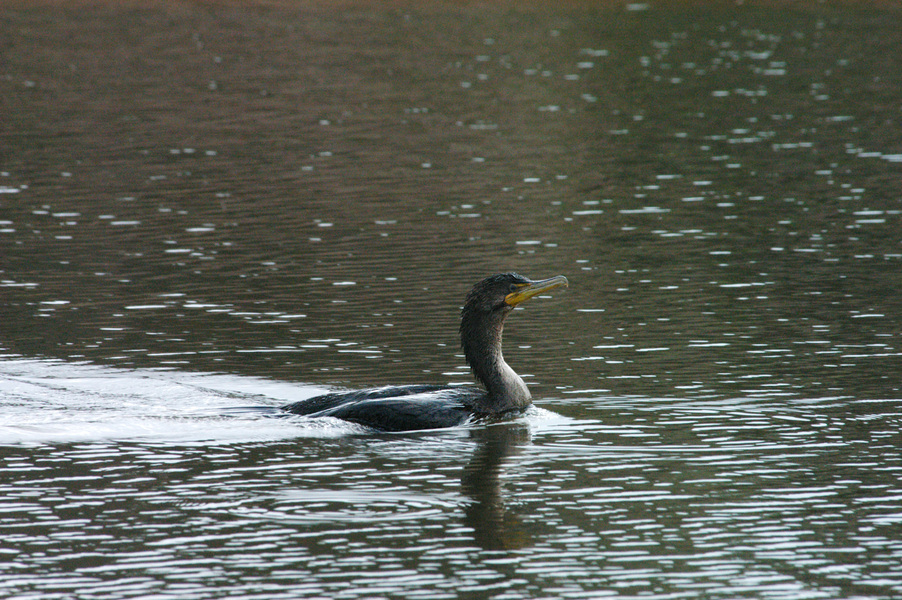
(480,336)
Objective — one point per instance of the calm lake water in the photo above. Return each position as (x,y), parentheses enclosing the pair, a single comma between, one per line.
(211,208)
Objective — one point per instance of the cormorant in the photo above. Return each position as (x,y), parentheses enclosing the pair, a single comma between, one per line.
(415,407)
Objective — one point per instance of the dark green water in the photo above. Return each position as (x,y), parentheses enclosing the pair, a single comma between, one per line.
(205,206)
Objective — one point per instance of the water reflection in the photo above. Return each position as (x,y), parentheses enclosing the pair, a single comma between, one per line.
(232,204)
(725,196)
(778,497)
(495,527)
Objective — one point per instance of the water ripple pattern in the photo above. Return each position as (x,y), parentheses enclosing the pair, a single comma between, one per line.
(209,210)
(713,498)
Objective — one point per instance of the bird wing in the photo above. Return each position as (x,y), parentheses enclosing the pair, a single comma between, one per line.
(431,409)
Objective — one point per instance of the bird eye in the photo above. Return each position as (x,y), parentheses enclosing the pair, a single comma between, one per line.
(514,287)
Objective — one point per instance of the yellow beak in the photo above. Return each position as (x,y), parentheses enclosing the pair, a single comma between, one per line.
(534,288)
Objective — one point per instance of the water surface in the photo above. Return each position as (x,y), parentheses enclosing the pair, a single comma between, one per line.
(211,207)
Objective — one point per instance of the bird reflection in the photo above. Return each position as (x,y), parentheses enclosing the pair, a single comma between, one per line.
(495,527)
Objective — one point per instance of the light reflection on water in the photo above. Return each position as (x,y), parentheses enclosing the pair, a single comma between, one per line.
(722,498)
(231,208)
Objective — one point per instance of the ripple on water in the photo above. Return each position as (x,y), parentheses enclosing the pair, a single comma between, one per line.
(724,424)
(775,497)
(83,402)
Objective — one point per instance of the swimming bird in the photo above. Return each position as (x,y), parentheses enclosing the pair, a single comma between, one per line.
(417,407)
